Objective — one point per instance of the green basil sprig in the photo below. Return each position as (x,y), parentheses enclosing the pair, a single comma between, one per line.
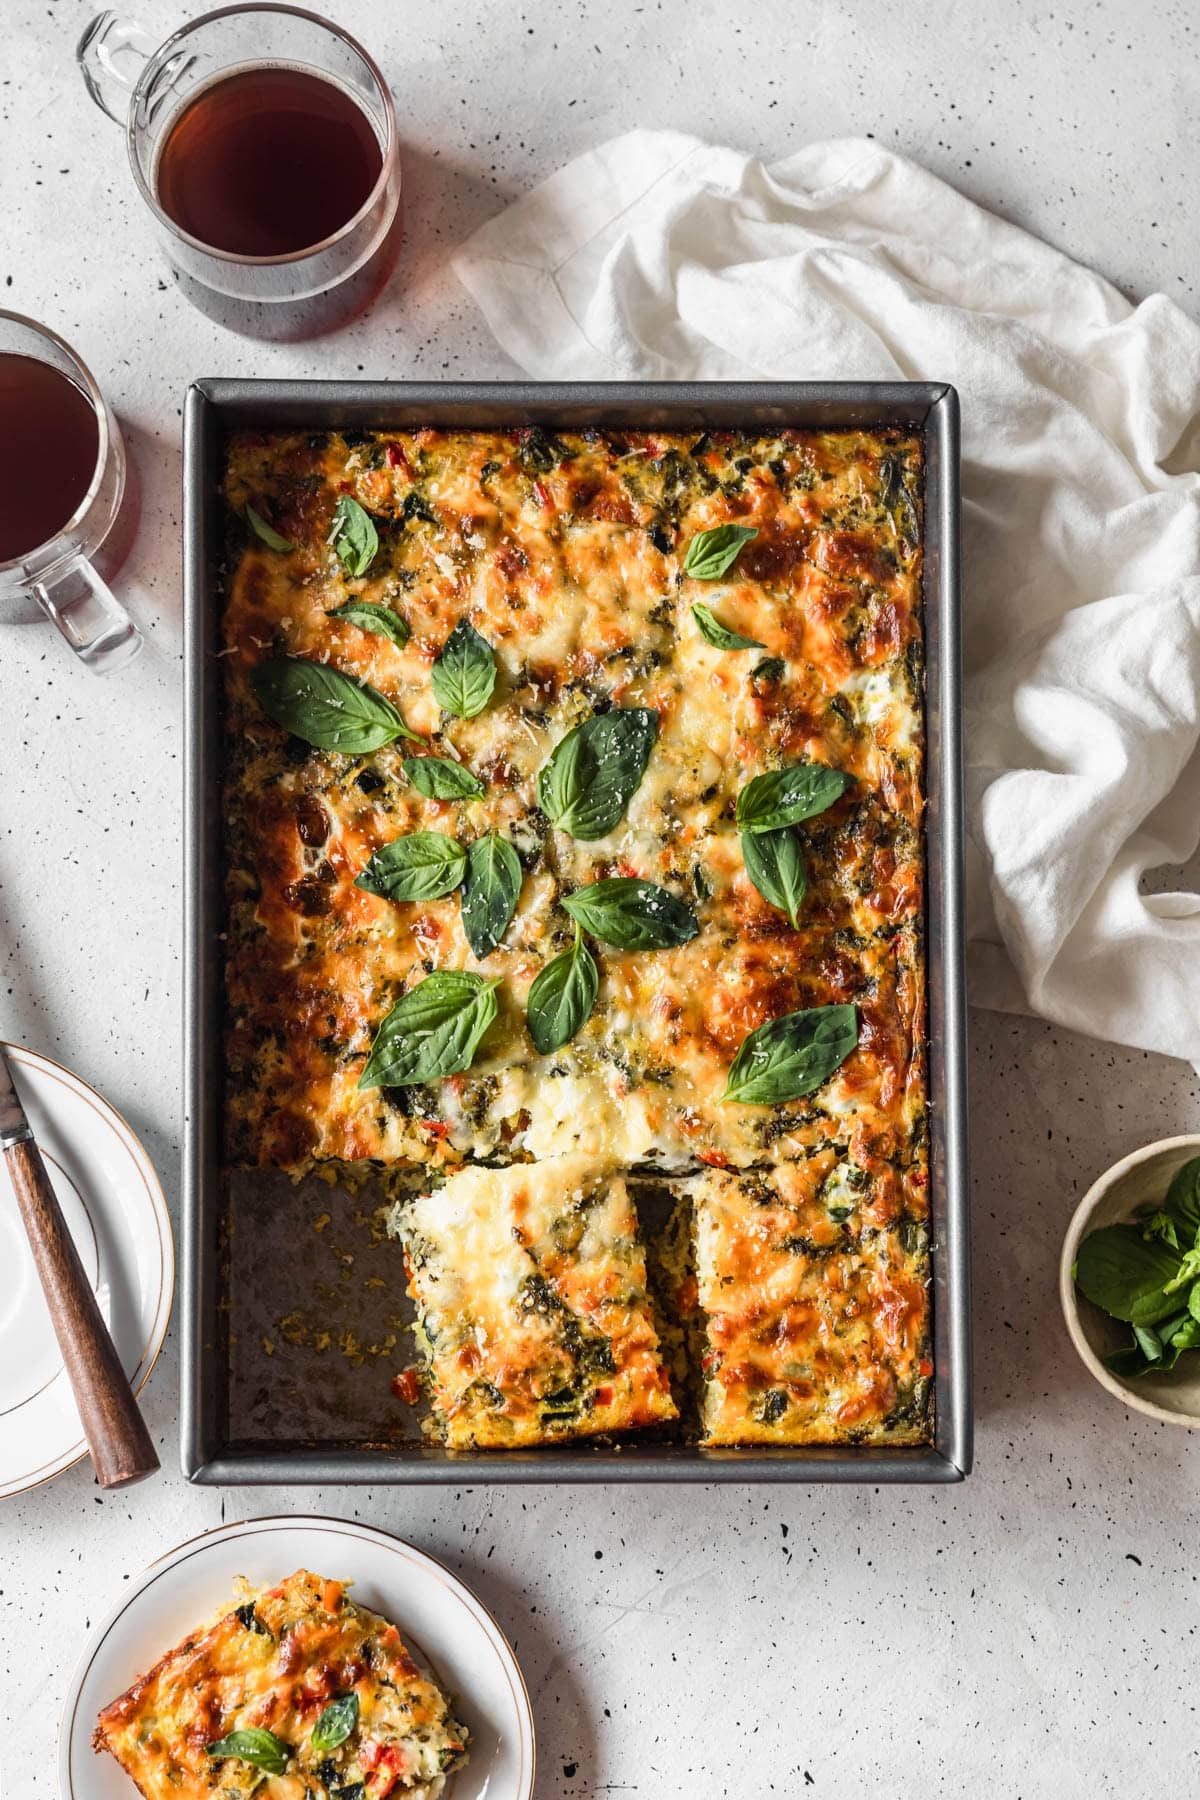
(718,635)
(590,777)
(423,866)
(713,553)
(775,864)
(440,779)
(464,672)
(490,892)
(1126,1275)
(375,618)
(789,1057)
(335,1724)
(562,997)
(787,796)
(261,1749)
(631,914)
(1182,1203)
(323,706)
(353,536)
(432,1031)
(273,539)
(1146,1272)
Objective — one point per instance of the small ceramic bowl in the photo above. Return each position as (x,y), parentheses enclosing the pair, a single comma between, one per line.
(1138,1180)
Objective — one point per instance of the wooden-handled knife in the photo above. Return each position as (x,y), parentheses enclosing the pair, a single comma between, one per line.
(114,1428)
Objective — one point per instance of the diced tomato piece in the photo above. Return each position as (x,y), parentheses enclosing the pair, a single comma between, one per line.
(716,1159)
(397,459)
(386,1763)
(925,1367)
(543,494)
(436,1128)
(407,1386)
(604,1396)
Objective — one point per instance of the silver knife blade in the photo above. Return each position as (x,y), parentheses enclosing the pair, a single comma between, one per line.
(14,1126)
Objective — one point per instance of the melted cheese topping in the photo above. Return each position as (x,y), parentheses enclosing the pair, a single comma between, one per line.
(568,557)
(815,1307)
(531,1287)
(275,1664)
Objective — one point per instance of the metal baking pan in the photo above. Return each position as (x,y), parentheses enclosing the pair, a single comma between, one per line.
(266,1399)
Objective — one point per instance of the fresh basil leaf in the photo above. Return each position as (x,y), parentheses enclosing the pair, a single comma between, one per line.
(318,703)
(713,553)
(353,536)
(432,1031)
(562,997)
(378,619)
(464,673)
(633,915)
(788,796)
(771,668)
(335,1724)
(792,1056)
(1183,1199)
(423,866)
(775,864)
(261,1749)
(1161,1225)
(1148,1342)
(718,635)
(440,779)
(1187,1272)
(270,537)
(1187,1335)
(1174,1336)
(490,893)
(1128,1362)
(589,777)
(1118,1271)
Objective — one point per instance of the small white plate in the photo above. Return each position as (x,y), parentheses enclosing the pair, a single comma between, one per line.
(439,1619)
(116,1213)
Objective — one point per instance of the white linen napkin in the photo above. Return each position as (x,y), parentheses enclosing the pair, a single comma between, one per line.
(659,257)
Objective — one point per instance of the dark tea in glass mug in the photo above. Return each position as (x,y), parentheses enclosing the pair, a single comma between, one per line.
(62,488)
(263,139)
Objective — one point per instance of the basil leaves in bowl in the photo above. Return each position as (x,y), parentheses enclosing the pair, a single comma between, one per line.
(1129,1280)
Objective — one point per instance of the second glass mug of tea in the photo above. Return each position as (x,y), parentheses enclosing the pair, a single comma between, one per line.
(64,519)
(263,140)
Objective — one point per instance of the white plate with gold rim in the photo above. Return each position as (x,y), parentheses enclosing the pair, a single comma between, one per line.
(438,1617)
(115,1211)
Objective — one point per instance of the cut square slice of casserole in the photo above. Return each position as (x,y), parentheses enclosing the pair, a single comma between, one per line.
(814,1308)
(534,1319)
(297,1691)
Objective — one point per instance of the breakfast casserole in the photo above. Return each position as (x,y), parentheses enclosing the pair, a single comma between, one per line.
(812,1296)
(530,1284)
(297,1691)
(574,816)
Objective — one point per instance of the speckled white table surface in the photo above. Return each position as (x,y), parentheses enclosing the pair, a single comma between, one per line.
(1032,1632)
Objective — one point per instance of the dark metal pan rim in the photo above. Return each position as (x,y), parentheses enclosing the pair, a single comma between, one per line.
(214,407)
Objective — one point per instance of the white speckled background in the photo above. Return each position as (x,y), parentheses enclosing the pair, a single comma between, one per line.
(1031,1633)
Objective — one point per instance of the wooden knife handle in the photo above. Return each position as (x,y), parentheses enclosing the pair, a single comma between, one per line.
(114,1428)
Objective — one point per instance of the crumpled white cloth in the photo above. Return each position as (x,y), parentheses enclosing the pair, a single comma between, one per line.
(660,257)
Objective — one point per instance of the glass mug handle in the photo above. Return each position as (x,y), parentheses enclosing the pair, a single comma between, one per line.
(111,55)
(92,620)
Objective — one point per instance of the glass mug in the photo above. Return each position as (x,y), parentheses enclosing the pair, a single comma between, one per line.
(53,417)
(204,104)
